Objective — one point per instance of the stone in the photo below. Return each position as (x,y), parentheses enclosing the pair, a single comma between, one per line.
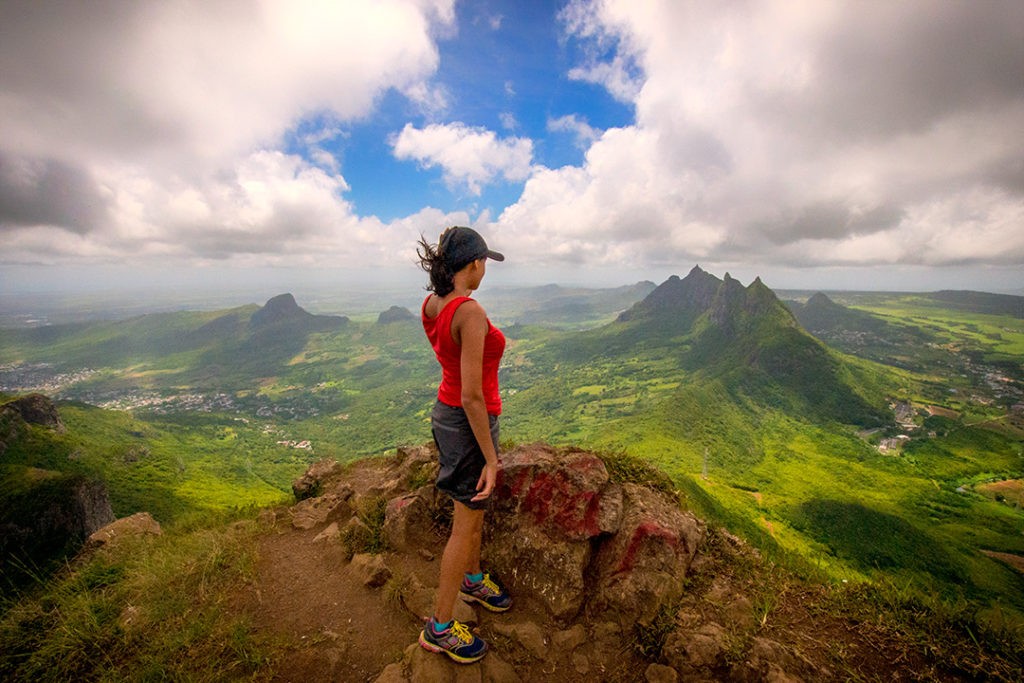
(739,612)
(685,650)
(565,493)
(311,483)
(770,660)
(659,673)
(426,667)
(417,599)
(429,667)
(527,634)
(139,524)
(569,639)
(372,569)
(392,673)
(580,663)
(497,670)
(530,563)
(313,512)
(331,533)
(407,522)
(36,409)
(549,505)
(642,567)
(462,611)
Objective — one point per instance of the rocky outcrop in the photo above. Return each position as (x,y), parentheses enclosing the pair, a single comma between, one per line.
(589,561)
(36,409)
(51,516)
(32,409)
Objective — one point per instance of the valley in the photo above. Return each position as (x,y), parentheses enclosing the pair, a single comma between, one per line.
(863,437)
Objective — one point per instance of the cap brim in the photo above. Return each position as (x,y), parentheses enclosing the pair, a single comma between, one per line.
(495,256)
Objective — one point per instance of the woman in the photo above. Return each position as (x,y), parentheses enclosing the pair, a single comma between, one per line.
(465,425)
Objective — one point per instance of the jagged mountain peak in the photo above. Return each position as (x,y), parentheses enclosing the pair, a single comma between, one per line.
(726,301)
(689,296)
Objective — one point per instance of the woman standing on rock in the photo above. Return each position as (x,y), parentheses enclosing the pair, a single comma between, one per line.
(465,425)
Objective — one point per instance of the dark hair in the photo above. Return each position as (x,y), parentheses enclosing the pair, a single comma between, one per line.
(442,279)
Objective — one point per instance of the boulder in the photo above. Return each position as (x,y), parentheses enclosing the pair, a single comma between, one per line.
(313,512)
(418,665)
(371,568)
(408,522)
(642,567)
(769,660)
(331,533)
(139,524)
(548,506)
(36,409)
(564,493)
(311,483)
(552,571)
(526,634)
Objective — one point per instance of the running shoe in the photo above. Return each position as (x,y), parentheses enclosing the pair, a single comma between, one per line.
(488,592)
(456,642)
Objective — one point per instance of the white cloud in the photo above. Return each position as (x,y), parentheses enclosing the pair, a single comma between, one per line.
(582,131)
(508,120)
(797,134)
(467,155)
(159,121)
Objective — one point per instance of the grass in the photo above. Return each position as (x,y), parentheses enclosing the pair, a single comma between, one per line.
(147,609)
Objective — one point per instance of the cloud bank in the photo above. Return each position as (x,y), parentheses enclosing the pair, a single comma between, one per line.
(156,129)
(795,134)
(785,134)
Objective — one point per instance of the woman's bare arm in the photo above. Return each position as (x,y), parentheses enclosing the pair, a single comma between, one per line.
(470,323)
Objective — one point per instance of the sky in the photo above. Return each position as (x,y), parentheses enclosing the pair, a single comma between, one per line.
(219,143)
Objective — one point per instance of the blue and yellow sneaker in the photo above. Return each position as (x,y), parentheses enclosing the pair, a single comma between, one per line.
(488,592)
(455,641)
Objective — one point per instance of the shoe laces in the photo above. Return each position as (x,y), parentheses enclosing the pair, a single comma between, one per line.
(461,632)
(491,585)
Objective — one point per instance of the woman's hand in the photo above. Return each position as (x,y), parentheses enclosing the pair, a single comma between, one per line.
(485,485)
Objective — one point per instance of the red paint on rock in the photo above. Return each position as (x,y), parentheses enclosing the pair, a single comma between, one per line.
(552,499)
(642,533)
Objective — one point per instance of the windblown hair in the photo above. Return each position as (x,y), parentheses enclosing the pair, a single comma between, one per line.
(442,279)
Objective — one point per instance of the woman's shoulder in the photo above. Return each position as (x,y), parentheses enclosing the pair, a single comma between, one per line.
(469,310)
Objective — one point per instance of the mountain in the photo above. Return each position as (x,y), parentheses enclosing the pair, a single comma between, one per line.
(395,314)
(681,300)
(746,338)
(829,321)
(282,310)
(861,333)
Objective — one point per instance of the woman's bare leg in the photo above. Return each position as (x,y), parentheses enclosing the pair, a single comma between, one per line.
(461,555)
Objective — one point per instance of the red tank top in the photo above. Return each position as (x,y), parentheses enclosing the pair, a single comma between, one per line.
(449,355)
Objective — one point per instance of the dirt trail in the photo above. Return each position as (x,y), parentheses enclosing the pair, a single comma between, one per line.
(331,627)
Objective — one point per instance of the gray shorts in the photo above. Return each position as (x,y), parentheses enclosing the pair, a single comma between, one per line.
(462,461)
